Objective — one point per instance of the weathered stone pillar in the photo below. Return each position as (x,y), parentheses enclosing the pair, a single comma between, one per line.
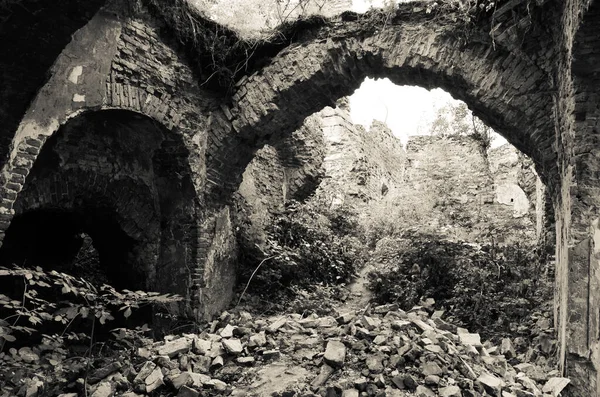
(577,202)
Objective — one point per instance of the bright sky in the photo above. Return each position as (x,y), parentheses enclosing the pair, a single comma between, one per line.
(402,108)
(363,5)
(407,110)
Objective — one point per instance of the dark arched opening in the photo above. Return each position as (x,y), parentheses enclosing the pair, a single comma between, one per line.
(57,239)
(117,184)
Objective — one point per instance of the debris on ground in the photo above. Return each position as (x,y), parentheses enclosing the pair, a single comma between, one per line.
(380,351)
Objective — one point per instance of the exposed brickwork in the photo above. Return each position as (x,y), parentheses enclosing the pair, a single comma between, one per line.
(361,165)
(522,81)
(120,62)
(516,173)
(578,109)
(308,76)
(470,198)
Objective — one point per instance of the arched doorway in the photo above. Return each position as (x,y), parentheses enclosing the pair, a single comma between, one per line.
(116,180)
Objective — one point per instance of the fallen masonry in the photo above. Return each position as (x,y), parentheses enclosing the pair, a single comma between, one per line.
(382,351)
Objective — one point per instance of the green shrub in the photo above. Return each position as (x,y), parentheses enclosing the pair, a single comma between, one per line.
(47,316)
(305,247)
(486,288)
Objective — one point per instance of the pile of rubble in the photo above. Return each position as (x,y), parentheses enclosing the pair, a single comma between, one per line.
(382,352)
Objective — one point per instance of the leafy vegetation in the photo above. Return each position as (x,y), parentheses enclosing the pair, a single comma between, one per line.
(457,119)
(54,313)
(487,288)
(306,245)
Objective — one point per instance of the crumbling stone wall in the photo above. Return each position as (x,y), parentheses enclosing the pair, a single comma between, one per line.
(346,165)
(411,50)
(120,61)
(529,73)
(118,165)
(577,297)
(468,202)
(515,173)
(361,166)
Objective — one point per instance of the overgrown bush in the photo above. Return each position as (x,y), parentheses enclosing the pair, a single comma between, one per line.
(305,246)
(45,319)
(397,213)
(487,288)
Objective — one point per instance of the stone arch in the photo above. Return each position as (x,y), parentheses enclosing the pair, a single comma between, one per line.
(123,179)
(507,90)
(99,69)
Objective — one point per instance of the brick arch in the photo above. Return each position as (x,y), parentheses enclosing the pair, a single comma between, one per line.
(102,68)
(131,169)
(507,90)
(27,147)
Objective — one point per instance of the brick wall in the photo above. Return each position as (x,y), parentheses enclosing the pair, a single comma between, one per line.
(360,165)
(120,61)
(469,193)
(522,80)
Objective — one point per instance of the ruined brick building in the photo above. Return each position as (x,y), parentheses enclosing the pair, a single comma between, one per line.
(115,123)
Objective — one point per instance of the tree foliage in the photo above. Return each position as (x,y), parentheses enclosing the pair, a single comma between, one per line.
(51,296)
(457,119)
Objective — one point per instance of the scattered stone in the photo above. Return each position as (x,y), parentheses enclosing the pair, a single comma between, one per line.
(258,340)
(271,354)
(219,385)
(245,360)
(507,349)
(470,339)
(450,391)
(145,371)
(186,391)
(384,309)
(385,351)
(432,380)
(431,368)
(201,346)
(410,383)
(233,346)
(335,353)
(227,331)
(202,364)
(104,389)
(368,323)
(555,385)
(217,363)
(173,348)
(276,325)
(101,373)
(183,379)
(324,374)
(199,380)
(380,339)
(399,325)
(434,349)
(374,364)
(346,318)
(423,391)
(154,380)
(492,382)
